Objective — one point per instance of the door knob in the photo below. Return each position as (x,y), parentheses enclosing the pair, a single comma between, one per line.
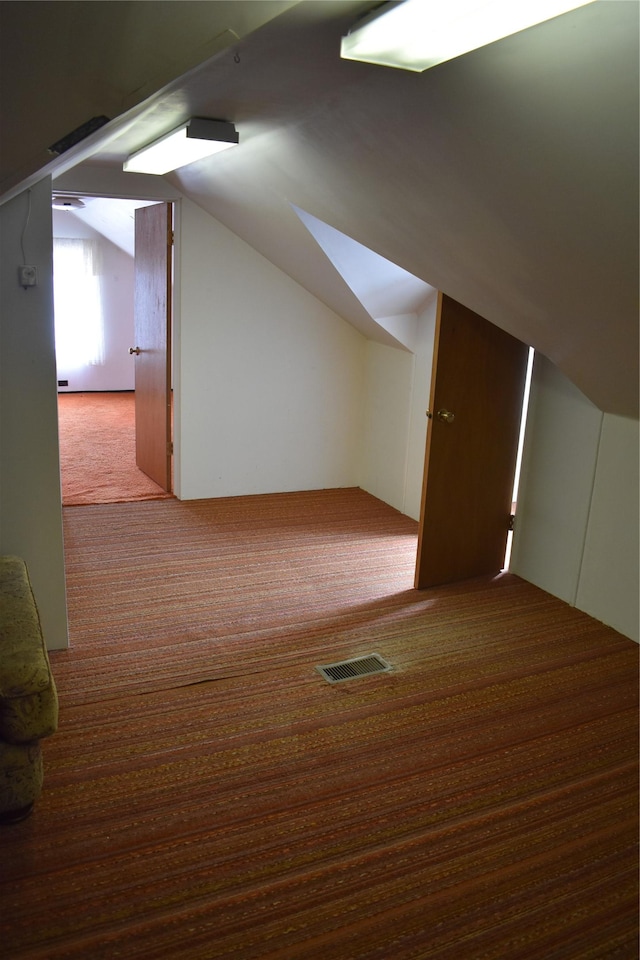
(135,350)
(446,416)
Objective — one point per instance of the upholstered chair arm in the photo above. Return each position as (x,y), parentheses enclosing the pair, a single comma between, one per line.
(28,698)
(32,717)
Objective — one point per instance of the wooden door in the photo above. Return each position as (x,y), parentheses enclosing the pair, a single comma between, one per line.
(477,387)
(152,320)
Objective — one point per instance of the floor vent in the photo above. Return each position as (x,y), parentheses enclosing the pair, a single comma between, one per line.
(352,669)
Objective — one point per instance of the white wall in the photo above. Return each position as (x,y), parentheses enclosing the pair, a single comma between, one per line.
(274,392)
(397,385)
(30,502)
(576,531)
(610,574)
(421,388)
(117,288)
(269,381)
(388,382)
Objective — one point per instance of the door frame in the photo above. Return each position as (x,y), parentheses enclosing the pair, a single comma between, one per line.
(146,199)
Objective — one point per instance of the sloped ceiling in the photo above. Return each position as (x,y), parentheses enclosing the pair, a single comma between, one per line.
(506,178)
(392,297)
(113,219)
(63,63)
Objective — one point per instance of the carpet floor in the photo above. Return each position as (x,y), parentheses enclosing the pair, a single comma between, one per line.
(209,795)
(97,437)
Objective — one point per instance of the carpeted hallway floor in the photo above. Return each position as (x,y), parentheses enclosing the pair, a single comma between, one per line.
(210,796)
(98,450)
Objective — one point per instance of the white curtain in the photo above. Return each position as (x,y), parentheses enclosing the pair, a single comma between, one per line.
(77,303)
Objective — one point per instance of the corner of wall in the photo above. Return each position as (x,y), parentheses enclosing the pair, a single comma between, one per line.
(30,501)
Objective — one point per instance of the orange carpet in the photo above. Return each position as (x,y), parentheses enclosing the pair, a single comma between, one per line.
(98,450)
(209,796)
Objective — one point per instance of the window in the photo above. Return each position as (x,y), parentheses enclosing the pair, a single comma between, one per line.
(79,324)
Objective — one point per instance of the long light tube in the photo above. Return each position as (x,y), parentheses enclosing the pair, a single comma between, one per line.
(191,141)
(418,34)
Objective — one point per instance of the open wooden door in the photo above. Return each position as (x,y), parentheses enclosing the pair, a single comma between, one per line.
(477,388)
(152,321)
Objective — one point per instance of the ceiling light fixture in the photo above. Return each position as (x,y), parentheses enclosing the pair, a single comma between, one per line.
(418,34)
(193,140)
(67,203)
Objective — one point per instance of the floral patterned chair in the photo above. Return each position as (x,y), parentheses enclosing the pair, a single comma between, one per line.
(28,698)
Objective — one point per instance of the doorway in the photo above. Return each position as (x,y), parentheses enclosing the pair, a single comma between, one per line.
(521,438)
(96,393)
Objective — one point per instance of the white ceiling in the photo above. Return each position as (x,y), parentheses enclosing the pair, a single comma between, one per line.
(113,218)
(506,178)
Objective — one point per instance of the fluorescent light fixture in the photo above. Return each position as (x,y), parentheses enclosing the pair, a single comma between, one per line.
(418,34)
(193,140)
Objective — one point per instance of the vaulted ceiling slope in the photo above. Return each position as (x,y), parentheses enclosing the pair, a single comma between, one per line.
(64,63)
(506,178)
